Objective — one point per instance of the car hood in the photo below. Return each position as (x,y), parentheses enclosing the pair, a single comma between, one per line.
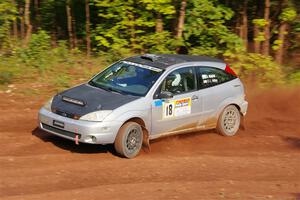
(85,98)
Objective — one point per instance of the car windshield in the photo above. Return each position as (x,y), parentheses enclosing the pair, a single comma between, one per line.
(127,78)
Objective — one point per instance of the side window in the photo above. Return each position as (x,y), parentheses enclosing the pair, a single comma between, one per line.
(180,81)
(210,76)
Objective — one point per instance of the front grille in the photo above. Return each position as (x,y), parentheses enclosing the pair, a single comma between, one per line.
(60,131)
(64,114)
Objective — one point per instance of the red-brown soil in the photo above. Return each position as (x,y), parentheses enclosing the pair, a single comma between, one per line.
(262,162)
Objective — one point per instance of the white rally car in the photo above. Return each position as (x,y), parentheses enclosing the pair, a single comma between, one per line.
(145,97)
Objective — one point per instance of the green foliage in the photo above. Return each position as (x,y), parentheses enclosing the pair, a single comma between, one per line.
(6,77)
(288,15)
(296,27)
(260,37)
(61,52)
(53,15)
(164,7)
(206,31)
(123,28)
(62,81)
(8,13)
(153,43)
(128,27)
(38,51)
(260,22)
(257,68)
(114,55)
(276,45)
(9,69)
(294,77)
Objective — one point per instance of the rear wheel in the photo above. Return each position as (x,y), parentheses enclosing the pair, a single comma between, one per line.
(229,121)
(129,140)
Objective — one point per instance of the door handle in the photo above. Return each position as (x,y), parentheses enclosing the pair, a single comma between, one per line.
(195,98)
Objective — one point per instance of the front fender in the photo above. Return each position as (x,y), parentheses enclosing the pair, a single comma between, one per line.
(143,115)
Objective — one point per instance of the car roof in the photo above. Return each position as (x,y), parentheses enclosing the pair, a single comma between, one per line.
(164,61)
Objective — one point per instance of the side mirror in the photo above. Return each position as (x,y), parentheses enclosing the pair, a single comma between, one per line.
(165,95)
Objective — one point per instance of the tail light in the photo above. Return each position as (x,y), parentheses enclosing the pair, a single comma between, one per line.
(230,71)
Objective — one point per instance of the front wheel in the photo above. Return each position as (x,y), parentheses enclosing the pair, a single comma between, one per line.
(229,121)
(129,140)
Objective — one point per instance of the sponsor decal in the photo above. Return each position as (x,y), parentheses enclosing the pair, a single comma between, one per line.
(143,66)
(158,103)
(176,108)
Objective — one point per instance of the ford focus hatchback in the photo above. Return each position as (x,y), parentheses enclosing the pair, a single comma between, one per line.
(146,97)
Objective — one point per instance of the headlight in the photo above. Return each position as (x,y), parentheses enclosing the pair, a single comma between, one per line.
(97,116)
(47,105)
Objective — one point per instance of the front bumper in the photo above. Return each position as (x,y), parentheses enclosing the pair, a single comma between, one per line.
(83,131)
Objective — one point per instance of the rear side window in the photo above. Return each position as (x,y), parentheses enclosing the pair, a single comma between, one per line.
(209,76)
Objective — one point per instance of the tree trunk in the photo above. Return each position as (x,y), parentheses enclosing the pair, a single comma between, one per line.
(36,14)
(159,24)
(15,23)
(75,41)
(53,39)
(36,7)
(227,3)
(15,28)
(27,22)
(266,43)
(257,44)
(281,37)
(244,28)
(87,28)
(69,22)
(180,24)
(238,26)
(22,22)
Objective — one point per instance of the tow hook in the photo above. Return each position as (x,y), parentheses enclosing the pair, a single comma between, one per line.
(76,140)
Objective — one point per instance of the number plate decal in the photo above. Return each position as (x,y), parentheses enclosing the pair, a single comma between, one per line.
(177,108)
(58,124)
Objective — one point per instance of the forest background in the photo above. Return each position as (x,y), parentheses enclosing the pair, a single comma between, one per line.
(58,43)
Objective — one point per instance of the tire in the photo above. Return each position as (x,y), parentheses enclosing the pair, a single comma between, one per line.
(129,140)
(229,121)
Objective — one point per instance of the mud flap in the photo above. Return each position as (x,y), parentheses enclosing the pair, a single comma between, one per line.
(146,141)
(242,124)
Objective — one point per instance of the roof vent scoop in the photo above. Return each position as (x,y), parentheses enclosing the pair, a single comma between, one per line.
(151,57)
(73,101)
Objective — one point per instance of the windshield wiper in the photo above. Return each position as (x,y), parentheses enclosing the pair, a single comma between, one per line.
(116,90)
(109,89)
(92,83)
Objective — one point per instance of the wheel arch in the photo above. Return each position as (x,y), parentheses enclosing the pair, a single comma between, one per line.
(237,106)
(227,102)
(146,133)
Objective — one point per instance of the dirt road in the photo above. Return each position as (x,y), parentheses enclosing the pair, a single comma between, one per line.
(262,162)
